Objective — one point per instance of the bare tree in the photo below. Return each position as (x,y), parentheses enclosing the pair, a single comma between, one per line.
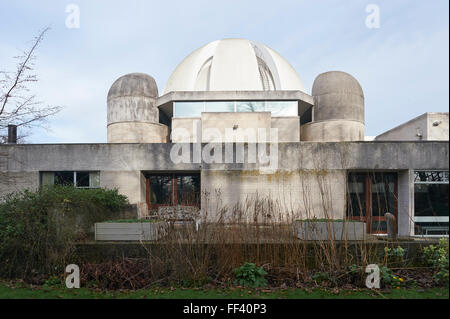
(17,105)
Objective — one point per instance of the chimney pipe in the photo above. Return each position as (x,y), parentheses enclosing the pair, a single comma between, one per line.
(12,134)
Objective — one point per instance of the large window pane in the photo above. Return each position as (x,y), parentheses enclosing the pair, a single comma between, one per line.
(248,106)
(356,206)
(188,109)
(94,179)
(64,178)
(82,179)
(48,178)
(188,190)
(431,202)
(431,199)
(227,106)
(383,191)
(174,189)
(282,108)
(160,189)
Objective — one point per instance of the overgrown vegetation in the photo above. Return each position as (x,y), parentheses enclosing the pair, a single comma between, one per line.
(250,275)
(437,257)
(38,229)
(251,243)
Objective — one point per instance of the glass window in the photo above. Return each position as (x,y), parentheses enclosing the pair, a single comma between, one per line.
(71,178)
(64,178)
(248,106)
(383,194)
(82,179)
(431,202)
(431,177)
(47,178)
(370,197)
(188,189)
(357,195)
(94,179)
(188,109)
(195,109)
(160,189)
(227,106)
(174,189)
(282,108)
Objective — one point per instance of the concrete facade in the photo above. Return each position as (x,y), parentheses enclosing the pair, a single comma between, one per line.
(431,126)
(320,140)
(332,131)
(184,130)
(137,132)
(309,181)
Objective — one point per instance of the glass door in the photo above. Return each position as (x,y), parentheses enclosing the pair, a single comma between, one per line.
(370,197)
(171,189)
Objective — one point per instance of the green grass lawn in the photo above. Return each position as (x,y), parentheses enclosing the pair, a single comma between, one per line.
(8,292)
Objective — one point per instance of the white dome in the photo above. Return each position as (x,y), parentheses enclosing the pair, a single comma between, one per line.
(234,65)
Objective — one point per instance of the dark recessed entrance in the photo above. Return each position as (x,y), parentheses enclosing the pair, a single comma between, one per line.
(370,196)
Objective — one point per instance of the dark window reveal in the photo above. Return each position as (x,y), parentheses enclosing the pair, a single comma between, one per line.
(64,178)
(370,197)
(431,202)
(173,189)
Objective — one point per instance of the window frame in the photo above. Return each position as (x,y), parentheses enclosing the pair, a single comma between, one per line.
(173,188)
(236,102)
(74,184)
(429,219)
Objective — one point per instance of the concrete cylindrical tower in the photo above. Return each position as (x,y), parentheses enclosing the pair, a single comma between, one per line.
(132,113)
(338,109)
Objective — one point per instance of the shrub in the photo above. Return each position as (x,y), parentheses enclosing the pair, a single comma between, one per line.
(250,275)
(38,229)
(437,257)
(389,278)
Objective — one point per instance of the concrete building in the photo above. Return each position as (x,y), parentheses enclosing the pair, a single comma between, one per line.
(236,134)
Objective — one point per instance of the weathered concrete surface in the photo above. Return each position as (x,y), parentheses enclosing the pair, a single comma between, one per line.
(137,132)
(338,112)
(426,127)
(129,183)
(288,127)
(329,230)
(291,157)
(332,131)
(405,203)
(309,175)
(132,97)
(18,181)
(337,96)
(238,122)
(278,197)
(438,127)
(184,129)
(132,113)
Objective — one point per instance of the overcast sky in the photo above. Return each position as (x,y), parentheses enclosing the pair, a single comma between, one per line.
(402,65)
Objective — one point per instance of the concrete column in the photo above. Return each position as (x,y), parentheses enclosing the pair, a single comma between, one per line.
(405,203)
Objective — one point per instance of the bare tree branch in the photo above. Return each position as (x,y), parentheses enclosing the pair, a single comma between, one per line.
(17,105)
